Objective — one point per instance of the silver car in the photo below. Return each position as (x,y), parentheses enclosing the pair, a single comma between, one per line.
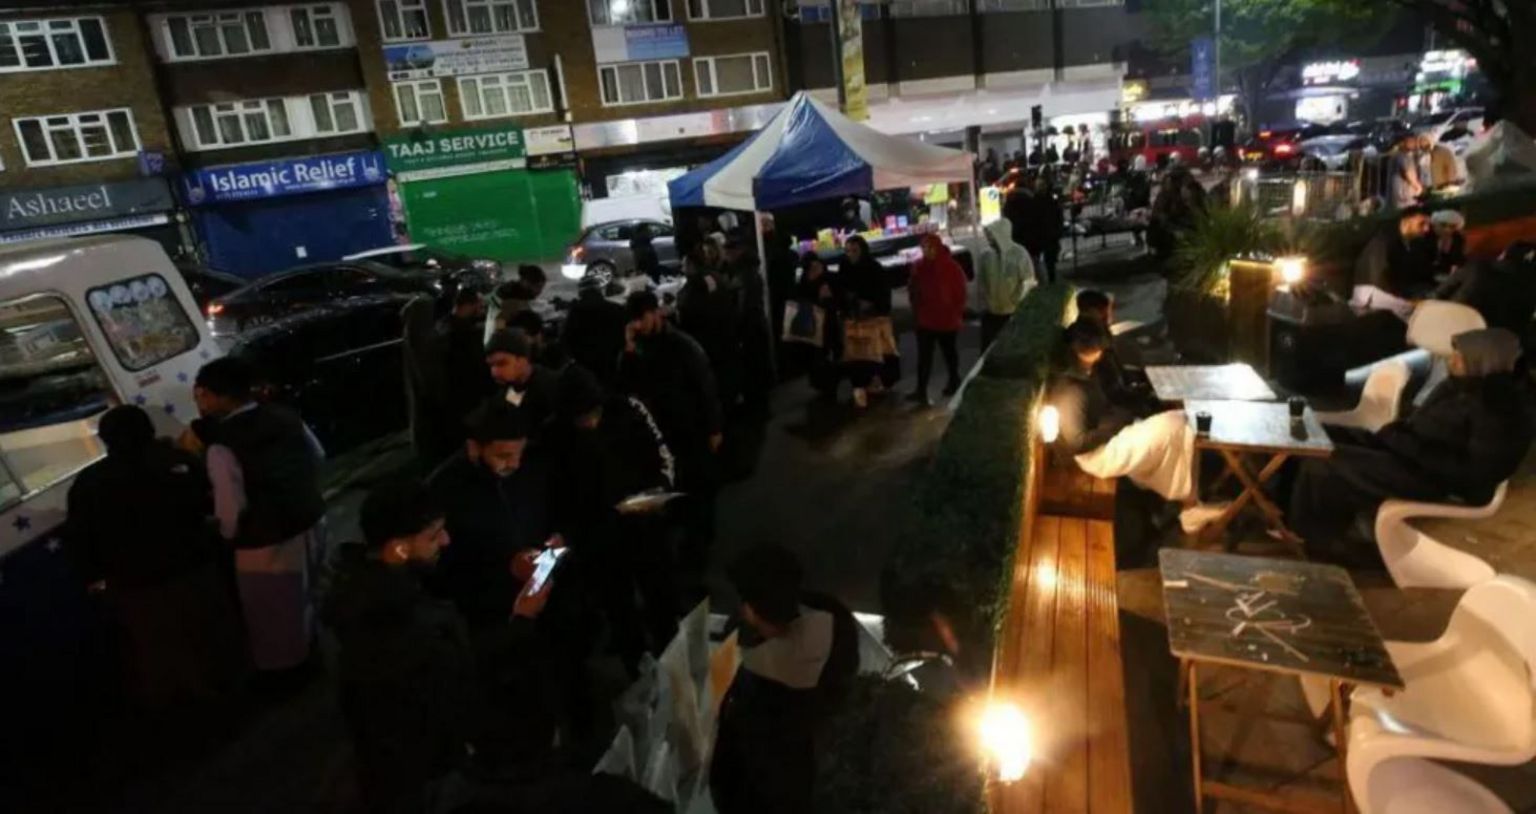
(603,250)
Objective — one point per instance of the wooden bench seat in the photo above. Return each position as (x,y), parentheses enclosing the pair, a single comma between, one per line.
(1059,652)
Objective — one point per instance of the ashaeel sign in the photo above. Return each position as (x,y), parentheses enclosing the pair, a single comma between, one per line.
(32,208)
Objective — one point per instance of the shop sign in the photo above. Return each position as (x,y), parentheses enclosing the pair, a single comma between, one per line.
(636,42)
(1329,73)
(442,153)
(549,140)
(459,57)
(1133,90)
(94,227)
(271,179)
(32,208)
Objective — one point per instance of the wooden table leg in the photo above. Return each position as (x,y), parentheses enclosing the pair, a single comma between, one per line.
(1194,736)
(1341,742)
(1218,527)
(1180,695)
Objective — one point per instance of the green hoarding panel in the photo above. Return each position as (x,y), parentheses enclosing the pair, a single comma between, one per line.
(508,215)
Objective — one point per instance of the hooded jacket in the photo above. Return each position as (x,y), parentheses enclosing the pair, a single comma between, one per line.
(938,289)
(1007,272)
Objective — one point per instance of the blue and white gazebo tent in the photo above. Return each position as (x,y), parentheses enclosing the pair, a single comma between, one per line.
(810,152)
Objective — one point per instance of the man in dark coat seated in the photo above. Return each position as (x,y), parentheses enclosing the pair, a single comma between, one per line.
(1470,436)
(1503,291)
(799,651)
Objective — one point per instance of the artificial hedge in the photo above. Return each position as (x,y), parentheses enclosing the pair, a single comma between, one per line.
(954,557)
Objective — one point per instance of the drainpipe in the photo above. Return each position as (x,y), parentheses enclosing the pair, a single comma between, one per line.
(565,99)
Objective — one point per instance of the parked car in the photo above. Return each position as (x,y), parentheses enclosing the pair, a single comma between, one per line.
(338,364)
(289,292)
(207,283)
(483,272)
(1333,151)
(1435,126)
(1280,146)
(603,249)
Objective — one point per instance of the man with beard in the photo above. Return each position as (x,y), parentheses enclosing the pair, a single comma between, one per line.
(522,382)
(493,502)
(416,689)
(668,371)
(606,452)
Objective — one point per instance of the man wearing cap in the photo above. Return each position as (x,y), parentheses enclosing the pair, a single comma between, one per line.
(522,382)
(604,449)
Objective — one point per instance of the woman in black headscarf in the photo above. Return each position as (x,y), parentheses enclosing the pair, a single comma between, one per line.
(1470,436)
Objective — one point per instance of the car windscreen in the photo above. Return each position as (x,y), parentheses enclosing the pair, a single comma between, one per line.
(143,322)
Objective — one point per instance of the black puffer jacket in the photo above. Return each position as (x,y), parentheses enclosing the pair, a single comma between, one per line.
(1470,436)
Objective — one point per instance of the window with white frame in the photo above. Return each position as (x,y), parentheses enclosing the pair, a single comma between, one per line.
(337,113)
(635,83)
(316,26)
(404,19)
(229,124)
(724,9)
(202,36)
(928,8)
(490,96)
(420,102)
(40,45)
(734,74)
(75,137)
(491,16)
(996,6)
(629,12)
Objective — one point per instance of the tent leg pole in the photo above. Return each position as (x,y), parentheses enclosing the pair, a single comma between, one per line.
(762,266)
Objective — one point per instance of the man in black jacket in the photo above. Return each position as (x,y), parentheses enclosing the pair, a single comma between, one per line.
(461,338)
(593,333)
(1470,436)
(1126,387)
(671,375)
(415,687)
(523,383)
(138,536)
(494,502)
(264,465)
(604,451)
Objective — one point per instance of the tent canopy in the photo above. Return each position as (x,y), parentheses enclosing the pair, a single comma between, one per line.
(809,152)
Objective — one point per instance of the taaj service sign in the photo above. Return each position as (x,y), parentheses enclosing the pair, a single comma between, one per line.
(461,151)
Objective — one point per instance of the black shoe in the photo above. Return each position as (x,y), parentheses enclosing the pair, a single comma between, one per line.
(918,397)
(953,388)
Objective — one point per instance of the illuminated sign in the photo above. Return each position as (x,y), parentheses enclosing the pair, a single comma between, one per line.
(1327,73)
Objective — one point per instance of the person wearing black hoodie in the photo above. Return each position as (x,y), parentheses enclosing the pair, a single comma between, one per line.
(1466,439)
(416,689)
(593,333)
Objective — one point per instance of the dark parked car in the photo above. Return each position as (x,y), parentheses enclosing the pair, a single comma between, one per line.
(482,272)
(207,283)
(289,292)
(339,364)
(1280,146)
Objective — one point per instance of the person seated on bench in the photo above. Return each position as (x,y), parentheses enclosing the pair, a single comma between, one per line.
(1126,386)
(1446,243)
(1398,261)
(1107,440)
(1469,437)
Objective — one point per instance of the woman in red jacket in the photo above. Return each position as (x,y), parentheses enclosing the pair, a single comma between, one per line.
(937,288)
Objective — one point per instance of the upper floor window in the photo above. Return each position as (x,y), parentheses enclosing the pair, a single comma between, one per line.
(404,19)
(420,102)
(928,8)
(279,118)
(724,9)
(316,26)
(730,75)
(75,137)
(236,33)
(38,45)
(228,124)
(491,16)
(337,113)
(635,83)
(629,12)
(490,96)
(990,6)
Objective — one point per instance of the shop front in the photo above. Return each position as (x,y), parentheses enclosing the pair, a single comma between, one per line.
(470,191)
(141,206)
(253,219)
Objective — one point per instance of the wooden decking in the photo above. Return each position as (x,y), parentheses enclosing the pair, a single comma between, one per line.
(1059,653)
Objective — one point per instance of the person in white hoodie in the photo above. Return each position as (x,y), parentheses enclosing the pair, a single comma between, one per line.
(1006,274)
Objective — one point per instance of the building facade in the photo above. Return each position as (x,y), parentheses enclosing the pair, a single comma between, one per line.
(84,142)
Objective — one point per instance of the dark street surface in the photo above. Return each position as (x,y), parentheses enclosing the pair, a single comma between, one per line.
(828,483)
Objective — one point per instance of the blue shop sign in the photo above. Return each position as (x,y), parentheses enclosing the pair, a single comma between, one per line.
(271,179)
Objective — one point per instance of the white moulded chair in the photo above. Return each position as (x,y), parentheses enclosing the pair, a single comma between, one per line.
(1469,698)
(1433,326)
(1417,560)
(1380,401)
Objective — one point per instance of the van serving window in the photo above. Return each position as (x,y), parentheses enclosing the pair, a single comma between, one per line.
(142,320)
(51,389)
